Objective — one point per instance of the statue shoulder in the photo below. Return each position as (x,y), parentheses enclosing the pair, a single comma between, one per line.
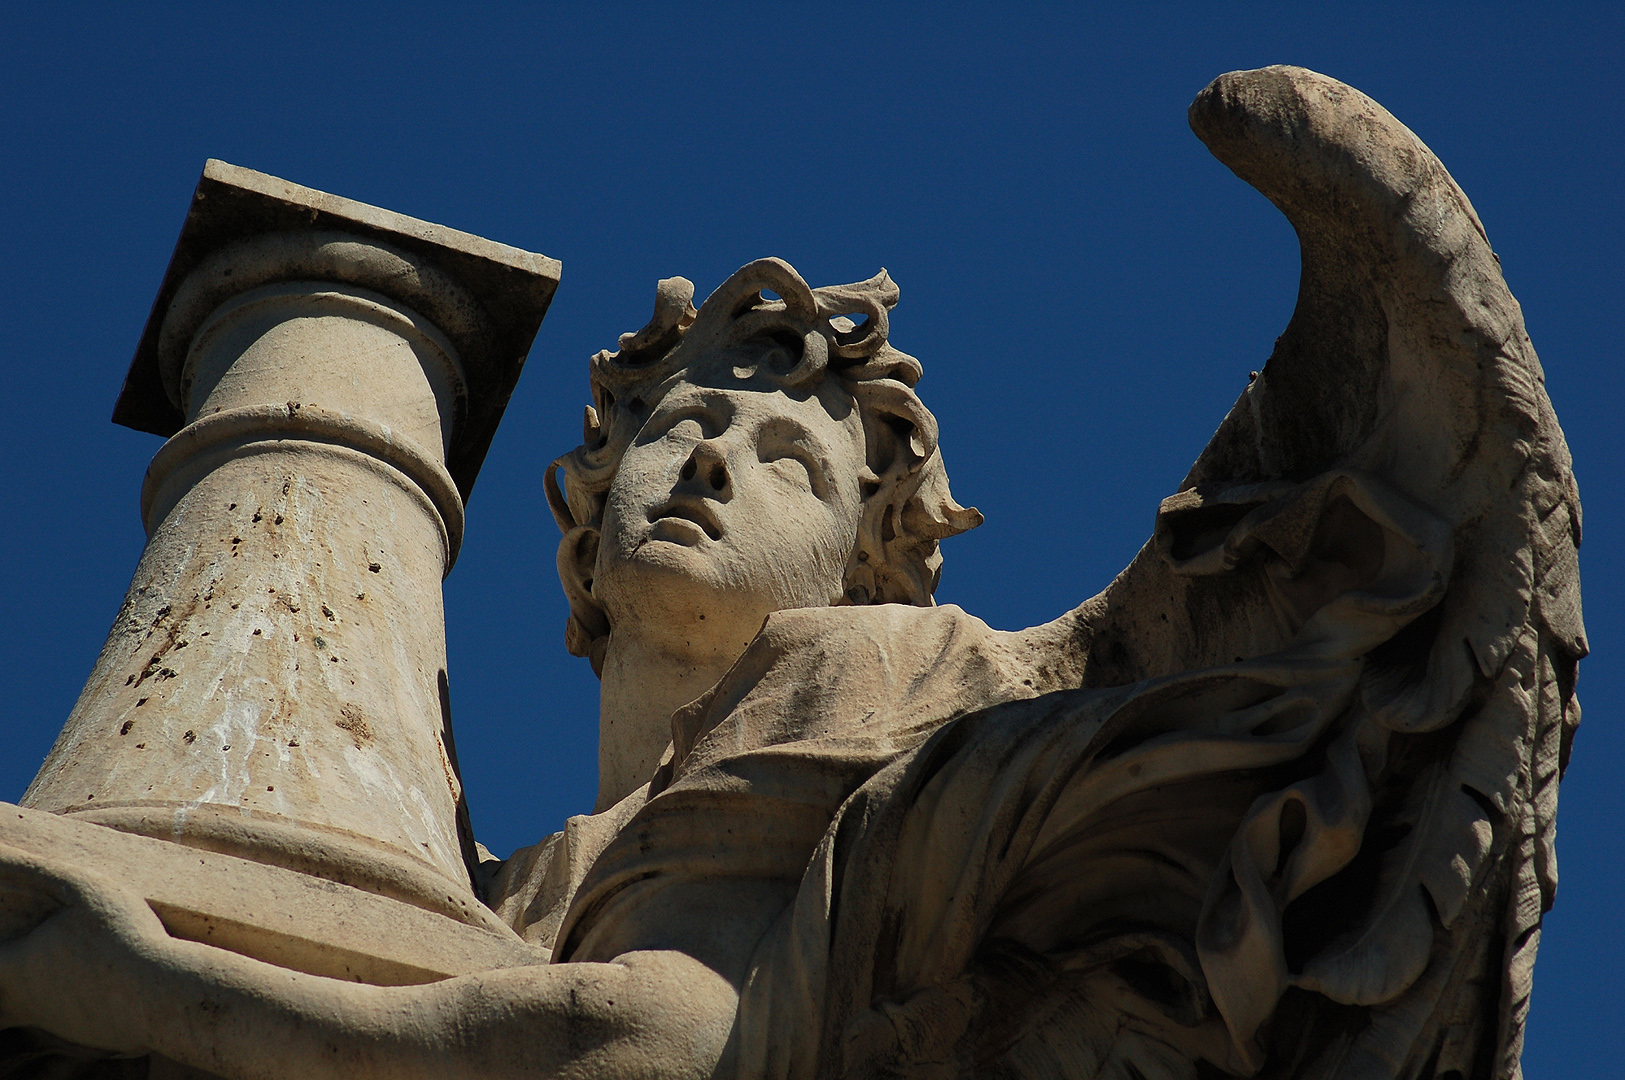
(531,889)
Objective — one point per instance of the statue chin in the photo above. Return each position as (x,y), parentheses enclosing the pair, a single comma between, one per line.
(687,594)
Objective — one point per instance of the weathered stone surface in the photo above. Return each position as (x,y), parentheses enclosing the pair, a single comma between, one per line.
(511,289)
(294,920)
(274,687)
(1276,803)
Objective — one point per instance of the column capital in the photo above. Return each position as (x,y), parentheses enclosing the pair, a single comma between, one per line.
(231,205)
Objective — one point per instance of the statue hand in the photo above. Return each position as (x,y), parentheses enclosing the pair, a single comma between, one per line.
(80,956)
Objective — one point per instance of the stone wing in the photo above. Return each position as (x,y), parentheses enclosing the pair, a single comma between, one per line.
(1405,365)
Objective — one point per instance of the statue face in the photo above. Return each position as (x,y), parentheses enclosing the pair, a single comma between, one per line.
(735,500)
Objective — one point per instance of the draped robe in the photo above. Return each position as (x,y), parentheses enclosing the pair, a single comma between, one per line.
(984,867)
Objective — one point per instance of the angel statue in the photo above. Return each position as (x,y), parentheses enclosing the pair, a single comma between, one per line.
(1278,802)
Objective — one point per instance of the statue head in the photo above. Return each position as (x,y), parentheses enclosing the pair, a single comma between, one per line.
(753,455)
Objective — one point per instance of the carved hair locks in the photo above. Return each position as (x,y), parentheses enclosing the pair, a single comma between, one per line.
(804,336)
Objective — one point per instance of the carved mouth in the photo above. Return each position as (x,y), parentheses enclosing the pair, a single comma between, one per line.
(694,512)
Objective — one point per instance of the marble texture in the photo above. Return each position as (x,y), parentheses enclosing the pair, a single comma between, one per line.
(1278,802)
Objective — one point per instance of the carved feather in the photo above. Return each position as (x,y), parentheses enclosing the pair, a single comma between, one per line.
(1406,359)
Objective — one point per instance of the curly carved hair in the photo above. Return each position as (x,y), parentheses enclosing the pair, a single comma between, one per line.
(803,337)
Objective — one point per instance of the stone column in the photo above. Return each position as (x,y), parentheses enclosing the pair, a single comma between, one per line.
(275,684)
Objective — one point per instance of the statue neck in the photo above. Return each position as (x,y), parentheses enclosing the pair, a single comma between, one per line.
(644,682)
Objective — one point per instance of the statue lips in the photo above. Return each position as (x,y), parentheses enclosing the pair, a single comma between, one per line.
(686,521)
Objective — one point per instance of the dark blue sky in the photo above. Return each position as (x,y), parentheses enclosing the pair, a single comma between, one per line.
(1086,287)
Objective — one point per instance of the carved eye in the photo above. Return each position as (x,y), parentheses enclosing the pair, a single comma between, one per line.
(683,426)
(791,459)
(686,430)
(792,470)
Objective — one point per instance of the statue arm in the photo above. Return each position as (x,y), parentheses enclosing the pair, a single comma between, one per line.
(101,971)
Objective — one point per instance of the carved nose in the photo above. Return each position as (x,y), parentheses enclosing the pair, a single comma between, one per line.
(707,470)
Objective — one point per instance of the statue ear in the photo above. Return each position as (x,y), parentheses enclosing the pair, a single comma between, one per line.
(589,626)
(900,432)
(907,507)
